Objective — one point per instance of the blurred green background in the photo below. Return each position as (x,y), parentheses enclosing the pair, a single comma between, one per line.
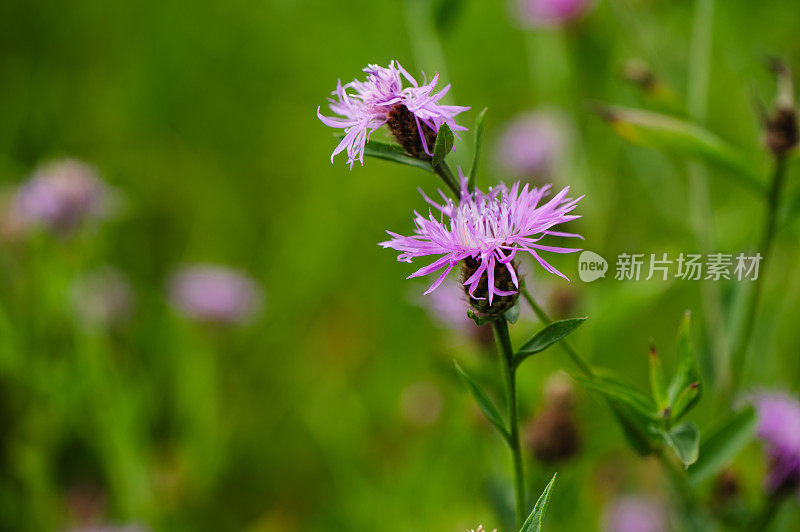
(203,115)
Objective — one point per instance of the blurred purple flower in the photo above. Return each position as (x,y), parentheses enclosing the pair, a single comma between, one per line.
(214,293)
(63,194)
(487,230)
(779,427)
(635,514)
(447,306)
(102,297)
(382,99)
(544,13)
(531,144)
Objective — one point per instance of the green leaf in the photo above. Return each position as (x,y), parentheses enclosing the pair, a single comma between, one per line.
(534,521)
(658,386)
(512,314)
(484,403)
(685,400)
(443,146)
(723,443)
(687,373)
(479,320)
(392,152)
(622,393)
(473,172)
(551,334)
(684,440)
(684,138)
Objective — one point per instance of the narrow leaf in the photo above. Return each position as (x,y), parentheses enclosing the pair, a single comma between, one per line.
(722,444)
(443,146)
(473,172)
(681,137)
(534,521)
(635,427)
(684,440)
(394,153)
(658,386)
(621,393)
(687,373)
(484,403)
(551,334)
(685,400)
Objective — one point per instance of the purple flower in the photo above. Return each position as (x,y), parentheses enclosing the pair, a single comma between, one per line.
(779,427)
(635,514)
(486,231)
(447,306)
(543,13)
(62,195)
(213,293)
(531,144)
(102,297)
(413,113)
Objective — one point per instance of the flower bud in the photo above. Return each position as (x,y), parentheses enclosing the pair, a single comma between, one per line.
(406,130)
(502,281)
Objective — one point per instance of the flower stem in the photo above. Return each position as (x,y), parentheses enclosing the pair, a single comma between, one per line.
(767,513)
(504,343)
(443,171)
(738,354)
(582,365)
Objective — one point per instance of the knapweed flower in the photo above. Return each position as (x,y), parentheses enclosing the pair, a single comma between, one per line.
(531,144)
(484,232)
(544,13)
(413,113)
(635,514)
(779,427)
(63,194)
(215,294)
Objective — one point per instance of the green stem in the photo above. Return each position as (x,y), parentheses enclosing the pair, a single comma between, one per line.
(504,343)
(764,517)
(739,353)
(582,365)
(443,171)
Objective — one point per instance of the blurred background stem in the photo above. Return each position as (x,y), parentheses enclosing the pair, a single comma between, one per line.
(739,351)
(699,197)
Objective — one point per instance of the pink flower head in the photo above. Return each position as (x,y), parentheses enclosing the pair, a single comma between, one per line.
(543,13)
(370,103)
(532,143)
(635,514)
(63,194)
(215,294)
(489,229)
(779,427)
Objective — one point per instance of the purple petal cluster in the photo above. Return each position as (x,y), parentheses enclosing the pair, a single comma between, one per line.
(215,294)
(543,13)
(635,514)
(364,106)
(489,228)
(61,195)
(779,427)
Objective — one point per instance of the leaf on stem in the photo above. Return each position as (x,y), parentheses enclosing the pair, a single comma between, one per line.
(534,521)
(684,440)
(479,320)
(546,337)
(681,137)
(484,403)
(723,443)
(621,392)
(473,172)
(443,146)
(512,314)
(658,386)
(392,152)
(686,388)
